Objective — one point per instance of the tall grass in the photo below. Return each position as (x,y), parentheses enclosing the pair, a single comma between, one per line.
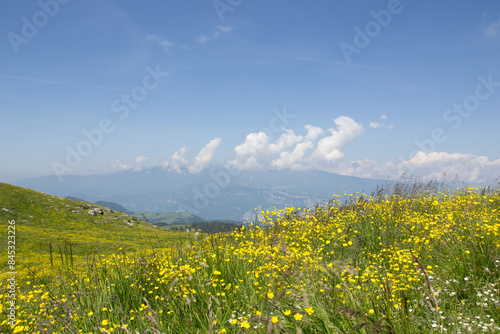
(406,260)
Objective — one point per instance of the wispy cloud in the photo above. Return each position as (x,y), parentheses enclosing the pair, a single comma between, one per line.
(117,165)
(380,125)
(140,163)
(203,39)
(163,43)
(225,29)
(491,29)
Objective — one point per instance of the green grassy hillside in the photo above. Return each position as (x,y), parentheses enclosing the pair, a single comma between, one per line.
(70,227)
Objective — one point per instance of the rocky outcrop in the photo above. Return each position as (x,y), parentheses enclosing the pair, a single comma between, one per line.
(100,211)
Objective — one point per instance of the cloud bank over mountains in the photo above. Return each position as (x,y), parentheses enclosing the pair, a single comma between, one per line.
(320,149)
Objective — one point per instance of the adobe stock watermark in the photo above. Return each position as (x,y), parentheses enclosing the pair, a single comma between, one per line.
(31,26)
(454,116)
(223,6)
(121,107)
(222,179)
(363,37)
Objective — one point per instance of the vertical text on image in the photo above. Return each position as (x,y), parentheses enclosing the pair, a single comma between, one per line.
(11,281)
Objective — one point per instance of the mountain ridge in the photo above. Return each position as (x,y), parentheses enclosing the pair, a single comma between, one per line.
(213,194)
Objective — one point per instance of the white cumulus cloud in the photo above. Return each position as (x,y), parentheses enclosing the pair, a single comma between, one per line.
(178,162)
(258,151)
(469,168)
(249,153)
(313,132)
(205,157)
(329,148)
(293,160)
(296,152)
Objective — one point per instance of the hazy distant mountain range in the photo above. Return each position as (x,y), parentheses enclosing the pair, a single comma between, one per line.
(160,218)
(211,194)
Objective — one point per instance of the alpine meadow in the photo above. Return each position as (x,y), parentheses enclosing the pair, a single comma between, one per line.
(408,259)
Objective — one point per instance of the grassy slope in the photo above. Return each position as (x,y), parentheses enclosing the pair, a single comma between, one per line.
(42,219)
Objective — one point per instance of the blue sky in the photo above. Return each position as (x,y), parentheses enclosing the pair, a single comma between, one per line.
(371,88)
